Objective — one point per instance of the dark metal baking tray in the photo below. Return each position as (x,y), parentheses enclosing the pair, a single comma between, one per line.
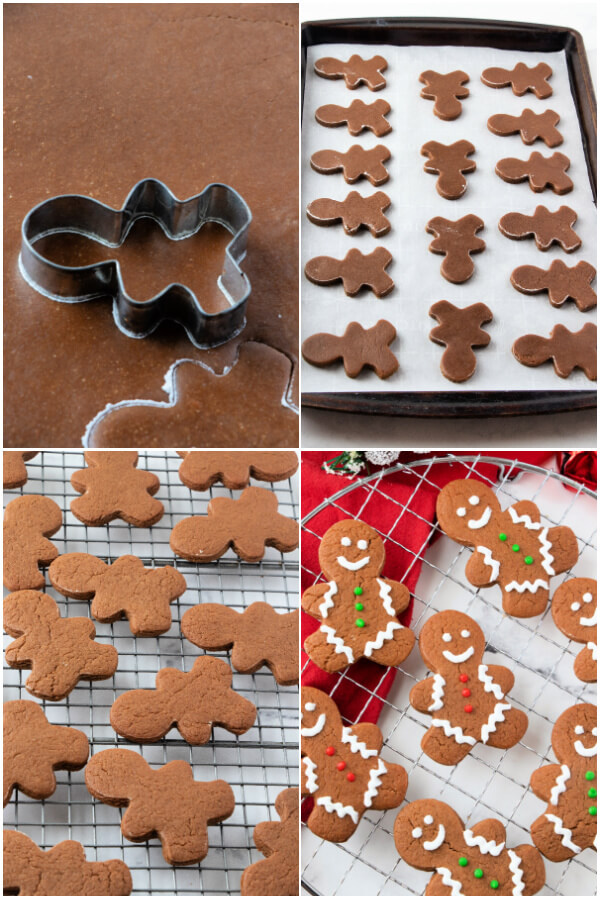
(470,33)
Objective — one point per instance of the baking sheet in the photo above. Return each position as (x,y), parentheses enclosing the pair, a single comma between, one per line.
(415,200)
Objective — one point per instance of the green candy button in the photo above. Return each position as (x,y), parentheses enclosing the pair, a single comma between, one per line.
(360,623)
(590,776)
(478,873)
(463,861)
(592,793)
(516,548)
(359,606)
(358,591)
(592,811)
(528,560)
(502,536)
(494,884)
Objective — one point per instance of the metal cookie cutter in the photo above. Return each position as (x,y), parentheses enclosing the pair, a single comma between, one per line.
(179,219)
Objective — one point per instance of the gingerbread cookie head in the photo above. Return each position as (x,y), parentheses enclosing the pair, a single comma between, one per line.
(450,638)
(351,546)
(113,488)
(575,736)
(28,522)
(466,509)
(574,609)
(423,832)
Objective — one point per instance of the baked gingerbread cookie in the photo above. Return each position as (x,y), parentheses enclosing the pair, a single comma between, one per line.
(468,862)
(14,471)
(569,824)
(59,651)
(341,769)
(447,90)
(202,468)
(28,523)
(164,802)
(465,697)
(355,71)
(191,701)
(125,589)
(258,636)
(248,524)
(278,874)
(357,607)
(512,547)
(357,347)
(568,350)
(34,749)
(113,488)
(575,613)
(355,163)
(62,871)
(521,78)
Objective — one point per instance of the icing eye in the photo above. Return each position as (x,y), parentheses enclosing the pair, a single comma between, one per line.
(446,637)
(575,606)
(417,833)
(362,545)
(474,500)
(428,820)
(587,597)
(465,633)
(579,729)
(310,707)
(346,542)
(461,511)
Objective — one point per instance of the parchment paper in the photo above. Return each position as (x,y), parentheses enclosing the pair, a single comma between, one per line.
(415,200)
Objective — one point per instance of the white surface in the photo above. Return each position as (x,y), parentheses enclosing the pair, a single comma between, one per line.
(415,200)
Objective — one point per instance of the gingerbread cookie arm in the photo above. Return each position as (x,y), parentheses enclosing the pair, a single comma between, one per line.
(75,574)
(313,597)
(510,731)
(542,781)
(532,866)
(527,508)
(392,790)
(565,548)
(399,593)
(369,734)
(438,886)
(503,676)
(421,695)
(490,829)
(585,666)
(479,571)
(442,748)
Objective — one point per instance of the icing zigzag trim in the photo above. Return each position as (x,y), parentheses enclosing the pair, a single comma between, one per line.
(496,716)
(449,881)
(454,731)
(489,561)
(338,808)
(374,782)
(385,591)
(478,840)
(437,692)
(328,599)
(488,683)
(311,774)
(338,643)
(564,832)
(382,636)
(356,746)
(517,873)
(522,586)
(561,784)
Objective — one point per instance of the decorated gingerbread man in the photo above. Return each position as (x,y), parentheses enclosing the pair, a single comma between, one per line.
(341,769)
(357,608)
(465,696)
(575,612)
(512,546)
(570,789)
(468,862)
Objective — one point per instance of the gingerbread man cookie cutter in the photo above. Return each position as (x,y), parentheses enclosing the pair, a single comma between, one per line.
(179,219)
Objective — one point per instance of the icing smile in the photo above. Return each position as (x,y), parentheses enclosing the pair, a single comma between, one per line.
(585,751)
(459,657)
(437,841)
(592,620)
(353,566)
(483,519)
(317,728)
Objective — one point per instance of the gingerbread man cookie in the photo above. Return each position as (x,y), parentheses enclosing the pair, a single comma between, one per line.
(59,651)
(521,79)
(357,608)
(456,241)
(512,546)
(342,770)
(542,172)
(192,702)
(468,862)
(62,871)
(34,749)
(568,350)
(570,789)
(465,696)
(358,348)
(459,331)
(355,270)
(202,468)
(124,589)
(354,212)
(355,71)
(13,462)
(530,126)
(358,116)
(546,227)
(449,161)
(248,524)
(258,636)
(560,281)
(355,163)
(447,91)
(113,488)
(575,613)
(278,874)
(28,523)
(164,802)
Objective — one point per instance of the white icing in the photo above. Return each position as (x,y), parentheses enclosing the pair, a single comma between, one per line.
(356,746)
(417,832)
(545,544)
(437,692)
(461,511)
(449,881)
(594,648)
(362,545)
(338,809)
(523,519)
(579,729)
(488,682)
(385,591)
(353,566)
(437,841)
(575,606)
(517,873)
(374,782)
(561,784)
(428,820)
(465,633)
(317,728)
(564,832)
(490,561)
(310,707)
(338,643)
(482,521)
(490,847)
(474,500)
(522,586)
(311,774)
(459,657)
(589,620)
(328,599)
(345,542)
(587,597)
(446,637)
(455,731)
(585,751)
(497,715)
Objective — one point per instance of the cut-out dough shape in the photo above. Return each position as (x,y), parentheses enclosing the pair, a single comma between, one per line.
(531,126)
(542,172)
(575,612)
(568,350)
(456,241)
(358,348)
(355,71)
(521,79)
(113,488)
(358,116)
(202,468)
(354,212)
(449,162)
(278,874)
(546,227)
(28,523)
(259,380)
(447,91)
(14,471)
(355,163)
(459,330)
(355,270)
(560,281)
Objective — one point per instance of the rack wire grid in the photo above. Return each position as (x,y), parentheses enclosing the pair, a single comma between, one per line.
(489,782)
(258,764)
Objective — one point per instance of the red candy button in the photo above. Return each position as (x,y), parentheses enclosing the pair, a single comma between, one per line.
(464,678)
(468,708)
(341,766)
(330,751)
(350,776)
(466,692)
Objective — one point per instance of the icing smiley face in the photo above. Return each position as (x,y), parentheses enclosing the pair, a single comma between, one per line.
(313,720)
(450,637)
(575,613)
(575,735)
(430,844)
(585,749)
(351,549)
(424,830)
(476,514)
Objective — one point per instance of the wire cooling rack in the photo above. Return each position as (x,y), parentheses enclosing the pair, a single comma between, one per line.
(257,764)
(489,782)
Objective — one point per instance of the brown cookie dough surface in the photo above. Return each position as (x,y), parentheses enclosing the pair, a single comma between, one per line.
(456,240)
(459,330)
(356,270)
(14,471)
(560,281)
(521,78)
(354,212)
(449,162)
(359,116)
(355,163)
(113,488)
(545,226)
(355,71)
(358,348)
(568,350)
(200,468)
(28,523)
(541,171)
(531,126)
(447,90)
(277,875)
